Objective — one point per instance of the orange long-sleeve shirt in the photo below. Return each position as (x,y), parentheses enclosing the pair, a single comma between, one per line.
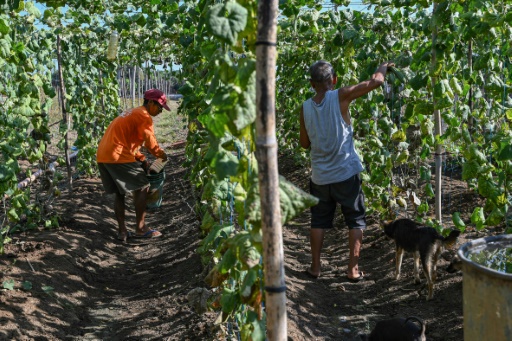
(124,136)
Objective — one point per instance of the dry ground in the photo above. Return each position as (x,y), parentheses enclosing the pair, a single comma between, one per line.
(86,285)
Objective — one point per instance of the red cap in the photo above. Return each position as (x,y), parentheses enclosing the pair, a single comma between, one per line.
(157,95)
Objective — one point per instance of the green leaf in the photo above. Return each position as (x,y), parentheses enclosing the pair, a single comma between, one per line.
(429,191)
(215,123)
(478,218)
(18,5)
(31,9)
(24,110)
(419,81)
(186,40)
(423,208)
(223,161)
(8,284)
(226,20)
(13,215)
(258,326)
(250,278)
(244,246)
(218,233)
(423,108)
(26,285)
(425,173)
(293,201)
(227,262)
(458,222)
(496,216)
(140,20)
(505,150)
(47,289)
(6,173)
(228,300)
(244,112)
(5,48)
(4,26)
(469,170)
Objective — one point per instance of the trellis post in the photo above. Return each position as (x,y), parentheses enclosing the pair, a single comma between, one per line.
(266,153)
(65,116)
(438,131)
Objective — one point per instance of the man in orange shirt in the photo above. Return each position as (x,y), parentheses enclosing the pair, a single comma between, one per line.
(117,156)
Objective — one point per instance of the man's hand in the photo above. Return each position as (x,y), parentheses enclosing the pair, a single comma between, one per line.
(164,157)
(145,165)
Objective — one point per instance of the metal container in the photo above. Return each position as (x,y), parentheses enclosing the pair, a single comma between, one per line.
(487,293)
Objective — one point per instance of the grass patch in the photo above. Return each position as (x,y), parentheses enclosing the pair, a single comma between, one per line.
(169,126)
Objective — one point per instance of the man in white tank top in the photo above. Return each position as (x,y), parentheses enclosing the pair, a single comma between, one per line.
(325,127)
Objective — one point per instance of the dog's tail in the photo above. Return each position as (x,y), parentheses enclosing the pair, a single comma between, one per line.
(449,241)
(423,326)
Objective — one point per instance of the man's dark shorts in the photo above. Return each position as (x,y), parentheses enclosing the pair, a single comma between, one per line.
(120,178)
(348,194)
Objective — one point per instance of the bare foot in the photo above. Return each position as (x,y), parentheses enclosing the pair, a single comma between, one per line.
(312,274)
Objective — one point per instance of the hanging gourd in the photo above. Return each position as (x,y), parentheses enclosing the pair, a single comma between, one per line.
(113,45)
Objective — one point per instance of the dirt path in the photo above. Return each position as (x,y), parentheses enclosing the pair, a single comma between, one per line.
(88,286)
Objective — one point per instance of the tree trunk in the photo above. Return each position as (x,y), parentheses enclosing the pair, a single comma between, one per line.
(65,116)
(266,153)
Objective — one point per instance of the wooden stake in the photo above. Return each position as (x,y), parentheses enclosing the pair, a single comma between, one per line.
(266,154)
(65,116)
(438,132)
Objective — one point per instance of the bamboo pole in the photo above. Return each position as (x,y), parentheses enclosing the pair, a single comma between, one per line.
(51,167)
(470,96)
(140,90)
(147,75)
(121,88)
(133,80)
(438,132)
(65,116)
(266,154)
(104,111)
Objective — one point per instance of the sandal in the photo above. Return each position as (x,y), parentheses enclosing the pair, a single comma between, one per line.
(124,236)
(356,279)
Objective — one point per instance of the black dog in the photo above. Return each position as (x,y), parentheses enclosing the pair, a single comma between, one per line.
(426,244)
(397,329)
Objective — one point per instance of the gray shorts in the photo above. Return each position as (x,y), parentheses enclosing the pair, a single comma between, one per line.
(120,178)
(348,193)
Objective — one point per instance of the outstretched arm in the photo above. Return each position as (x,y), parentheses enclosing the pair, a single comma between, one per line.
(304,138)
(351,92)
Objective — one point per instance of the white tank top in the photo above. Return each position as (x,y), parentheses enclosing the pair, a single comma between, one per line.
(333,155)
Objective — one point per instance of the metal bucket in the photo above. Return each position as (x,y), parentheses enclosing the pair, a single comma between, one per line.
(156,189)
(487,293)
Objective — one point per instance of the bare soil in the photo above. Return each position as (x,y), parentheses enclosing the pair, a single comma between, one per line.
(86,285)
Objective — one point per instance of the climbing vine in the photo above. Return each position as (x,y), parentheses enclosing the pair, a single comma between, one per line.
(453,58)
